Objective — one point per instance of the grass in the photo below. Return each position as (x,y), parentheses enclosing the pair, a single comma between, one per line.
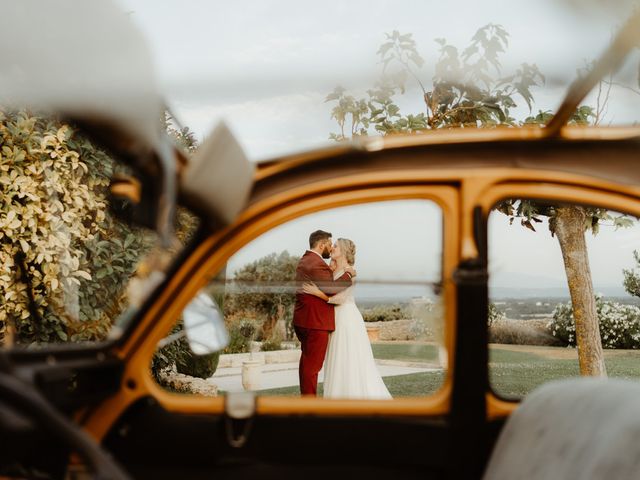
(513,371)
(408,352)
(411,385)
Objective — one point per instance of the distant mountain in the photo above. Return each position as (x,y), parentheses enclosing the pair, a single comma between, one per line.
(524,280)
(390,292)
(522,285)
(501,285)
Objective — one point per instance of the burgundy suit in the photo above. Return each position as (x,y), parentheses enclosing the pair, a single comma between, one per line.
(314,318)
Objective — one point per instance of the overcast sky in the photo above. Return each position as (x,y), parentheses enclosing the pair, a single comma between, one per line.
(396,240)
(519,257)
(266,67)
(402,241)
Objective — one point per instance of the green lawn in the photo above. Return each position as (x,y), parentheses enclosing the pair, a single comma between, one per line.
(513,370)
(515,373)
(406,351)
(412,385)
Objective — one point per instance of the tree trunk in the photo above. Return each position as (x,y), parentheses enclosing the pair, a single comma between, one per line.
(570,222)
(269,325)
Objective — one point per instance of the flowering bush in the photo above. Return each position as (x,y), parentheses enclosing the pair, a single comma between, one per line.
(427,321)
(619,324)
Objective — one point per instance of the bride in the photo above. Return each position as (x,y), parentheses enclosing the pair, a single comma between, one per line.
(349,369)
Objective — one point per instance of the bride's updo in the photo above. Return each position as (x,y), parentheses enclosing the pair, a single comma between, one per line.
(348,249)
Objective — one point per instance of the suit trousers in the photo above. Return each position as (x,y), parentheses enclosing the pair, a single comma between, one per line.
(314,348)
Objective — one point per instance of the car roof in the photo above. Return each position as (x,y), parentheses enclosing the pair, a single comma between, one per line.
(607,153)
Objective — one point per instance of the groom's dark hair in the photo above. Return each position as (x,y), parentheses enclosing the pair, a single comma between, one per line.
(317,236)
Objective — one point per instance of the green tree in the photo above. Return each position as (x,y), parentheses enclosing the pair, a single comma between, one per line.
(569,223)
(265,288)
(469,90)
(631,280)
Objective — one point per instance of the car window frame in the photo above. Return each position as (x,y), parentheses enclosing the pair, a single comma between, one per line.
(213,253)
(588,192)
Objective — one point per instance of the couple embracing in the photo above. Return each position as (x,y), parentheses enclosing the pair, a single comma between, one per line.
(329,325)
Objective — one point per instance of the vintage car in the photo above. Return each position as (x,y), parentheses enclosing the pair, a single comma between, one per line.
(80,408)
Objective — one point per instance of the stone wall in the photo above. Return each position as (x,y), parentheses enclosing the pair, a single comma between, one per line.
(394,329)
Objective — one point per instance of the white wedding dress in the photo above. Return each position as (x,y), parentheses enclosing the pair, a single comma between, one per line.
(349,368)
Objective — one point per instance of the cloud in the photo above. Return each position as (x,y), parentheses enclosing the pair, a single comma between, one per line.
(268,126)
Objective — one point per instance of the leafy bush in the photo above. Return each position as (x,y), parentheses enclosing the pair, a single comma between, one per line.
(186,362)
(521,332)
(386,313)
(619,324)
(241,334)
(271,345)
(65,258)
(201,366)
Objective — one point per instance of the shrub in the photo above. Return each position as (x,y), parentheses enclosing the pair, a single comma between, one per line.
(59,239)
(240,336)
(65,257)
(386,313)
(201,366)
(271,345)
(521,332)
(619,324)
(427,321)
(186,362)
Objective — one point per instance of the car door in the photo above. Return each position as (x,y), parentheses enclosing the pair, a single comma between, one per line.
(538,305)
(152,431)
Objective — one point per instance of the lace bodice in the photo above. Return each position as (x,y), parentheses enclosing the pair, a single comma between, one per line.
(346,295)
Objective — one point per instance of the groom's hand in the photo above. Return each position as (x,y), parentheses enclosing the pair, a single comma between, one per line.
(351,271)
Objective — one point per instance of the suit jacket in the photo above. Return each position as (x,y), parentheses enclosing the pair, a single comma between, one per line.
(311,311)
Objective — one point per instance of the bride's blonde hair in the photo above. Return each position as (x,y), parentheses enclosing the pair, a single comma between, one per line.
(348,249)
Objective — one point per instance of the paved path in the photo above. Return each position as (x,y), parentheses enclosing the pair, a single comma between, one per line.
(278,375)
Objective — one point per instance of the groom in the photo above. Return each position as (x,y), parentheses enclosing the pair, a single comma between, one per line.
(313,318)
